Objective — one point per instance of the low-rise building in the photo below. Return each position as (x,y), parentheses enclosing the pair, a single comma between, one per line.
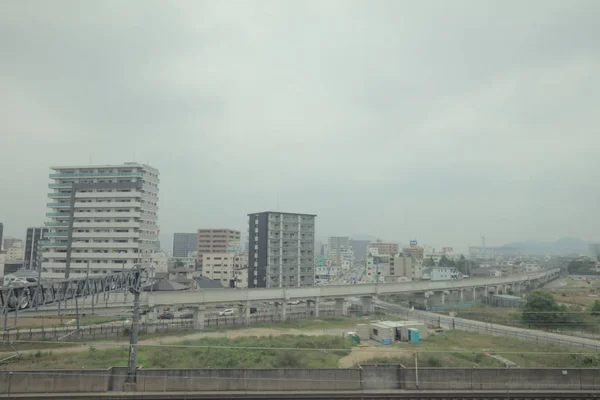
(441,273)
(222,267)
(15,254)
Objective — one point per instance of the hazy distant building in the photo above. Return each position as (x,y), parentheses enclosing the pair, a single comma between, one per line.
(1,234)
(10,242)
(416,252)
(184,243)
(360,248)
(338,243)
(33,252)
(281,251)
(385,247)
(594,250)
(15,254)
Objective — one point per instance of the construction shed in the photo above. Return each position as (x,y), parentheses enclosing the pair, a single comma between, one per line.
(386,331)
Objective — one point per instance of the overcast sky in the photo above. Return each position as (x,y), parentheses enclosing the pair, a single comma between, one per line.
(436,120)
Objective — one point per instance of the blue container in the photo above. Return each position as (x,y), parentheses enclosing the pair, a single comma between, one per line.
(386,341)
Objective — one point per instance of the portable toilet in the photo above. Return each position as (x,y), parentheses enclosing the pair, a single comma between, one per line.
(413,335)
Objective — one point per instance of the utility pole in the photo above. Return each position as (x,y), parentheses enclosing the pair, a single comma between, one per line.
(136,289)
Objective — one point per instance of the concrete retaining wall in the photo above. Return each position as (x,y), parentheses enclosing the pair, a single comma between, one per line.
(62,381)
(500,379)
(159,380)
(367,377)
(381,377)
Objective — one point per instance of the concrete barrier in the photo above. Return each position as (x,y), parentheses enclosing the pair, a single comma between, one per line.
(381,377)
(61,381)
(500,378)
(367,377)
(174,380)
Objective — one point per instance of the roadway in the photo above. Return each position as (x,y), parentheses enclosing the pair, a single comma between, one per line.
(487,328)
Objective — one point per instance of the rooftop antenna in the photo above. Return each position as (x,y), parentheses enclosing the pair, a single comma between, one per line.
(483,242)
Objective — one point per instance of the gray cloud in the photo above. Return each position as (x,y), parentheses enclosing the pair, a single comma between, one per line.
(441,121)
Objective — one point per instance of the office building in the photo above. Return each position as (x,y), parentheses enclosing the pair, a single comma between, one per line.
(114,218)
(1,234)
(184,243)
(388,268)
(416,252)
(385,248)
(11,242)
(281,251)
(225,268)
(33,253)
(217,241)
(337,244)
(360,248)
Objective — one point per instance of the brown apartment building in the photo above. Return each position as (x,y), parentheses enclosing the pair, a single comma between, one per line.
(217,241)
(385,248)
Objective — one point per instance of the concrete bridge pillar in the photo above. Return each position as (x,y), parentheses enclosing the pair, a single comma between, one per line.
(198,319)
(474,293)
(443,297)
(462,295)
(284,307)
(340,306)
(368,305)
(313,307)
(247,314)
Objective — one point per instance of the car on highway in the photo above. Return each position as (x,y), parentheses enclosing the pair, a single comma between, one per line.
(166,315)
(226,313)
(187,316)
(294,302)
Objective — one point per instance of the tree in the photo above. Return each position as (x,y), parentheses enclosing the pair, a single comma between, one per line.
(429,262)
(463,265)
(179,264)
(542,309)
(595,309)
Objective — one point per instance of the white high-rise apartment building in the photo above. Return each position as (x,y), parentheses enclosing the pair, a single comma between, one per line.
(114,218)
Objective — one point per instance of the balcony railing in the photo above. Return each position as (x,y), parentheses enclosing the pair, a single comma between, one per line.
(59,194)
(59,204)
(57,214)
(96,174)
(56,224)
(54,244)
(60,185)
(56,234)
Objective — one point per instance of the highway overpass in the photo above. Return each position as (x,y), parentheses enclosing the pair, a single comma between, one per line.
(199,299)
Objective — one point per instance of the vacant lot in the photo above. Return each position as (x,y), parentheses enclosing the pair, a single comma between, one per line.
(278,347)
(465,349)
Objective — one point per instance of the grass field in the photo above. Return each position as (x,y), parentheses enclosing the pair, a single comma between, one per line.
(465,349)
(286,347)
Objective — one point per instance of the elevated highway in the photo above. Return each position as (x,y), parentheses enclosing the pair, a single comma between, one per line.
(200,299)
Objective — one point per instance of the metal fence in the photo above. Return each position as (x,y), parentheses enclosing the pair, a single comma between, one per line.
(492,329)
(122,329)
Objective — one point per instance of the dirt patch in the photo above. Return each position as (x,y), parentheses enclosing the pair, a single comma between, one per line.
(578,300)
(361,354)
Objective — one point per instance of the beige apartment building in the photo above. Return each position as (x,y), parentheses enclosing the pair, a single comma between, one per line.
(217,241)
(385,248)
(224,267)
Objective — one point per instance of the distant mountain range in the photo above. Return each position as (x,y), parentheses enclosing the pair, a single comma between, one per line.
(560,247)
